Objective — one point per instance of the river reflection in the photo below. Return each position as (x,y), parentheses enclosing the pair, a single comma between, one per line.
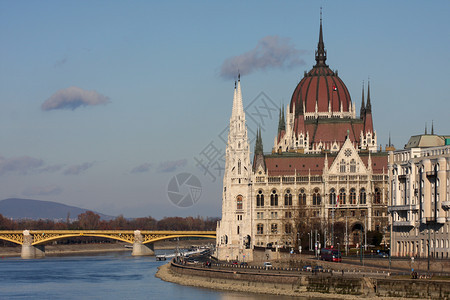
(108,276)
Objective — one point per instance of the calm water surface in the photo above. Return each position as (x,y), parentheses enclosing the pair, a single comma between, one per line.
(107,276)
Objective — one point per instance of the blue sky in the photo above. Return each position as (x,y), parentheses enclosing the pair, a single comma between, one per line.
(103,102)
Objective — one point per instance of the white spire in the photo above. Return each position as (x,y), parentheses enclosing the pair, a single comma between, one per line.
(235,105)
(239,97)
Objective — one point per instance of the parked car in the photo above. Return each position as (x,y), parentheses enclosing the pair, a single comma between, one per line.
(383,254)
(268,265)
(307,268)
(318,269)
(244,263)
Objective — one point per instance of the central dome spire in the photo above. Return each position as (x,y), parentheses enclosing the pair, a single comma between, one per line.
(321,53)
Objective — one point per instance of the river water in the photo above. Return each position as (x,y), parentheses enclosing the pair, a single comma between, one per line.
(109,276)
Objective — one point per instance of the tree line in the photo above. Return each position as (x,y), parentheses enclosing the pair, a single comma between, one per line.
(92,221)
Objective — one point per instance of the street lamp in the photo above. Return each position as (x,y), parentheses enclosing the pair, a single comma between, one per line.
(310,241)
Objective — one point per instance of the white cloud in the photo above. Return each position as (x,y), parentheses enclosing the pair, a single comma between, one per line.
(20,165)
(171,166)
(42,191)
(270,52)
(145,167)
(77,169)
(72,98)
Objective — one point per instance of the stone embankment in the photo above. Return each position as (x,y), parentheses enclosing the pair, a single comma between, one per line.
(331,285)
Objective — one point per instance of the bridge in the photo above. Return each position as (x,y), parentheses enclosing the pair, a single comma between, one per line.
(33,241)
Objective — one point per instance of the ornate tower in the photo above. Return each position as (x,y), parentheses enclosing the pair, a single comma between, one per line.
(234,230)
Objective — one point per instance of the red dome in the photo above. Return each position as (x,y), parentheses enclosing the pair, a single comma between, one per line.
(322,86)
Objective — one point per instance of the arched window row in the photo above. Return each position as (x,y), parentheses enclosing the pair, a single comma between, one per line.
(334,198)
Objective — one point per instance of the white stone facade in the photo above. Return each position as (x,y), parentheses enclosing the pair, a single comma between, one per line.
(420,201)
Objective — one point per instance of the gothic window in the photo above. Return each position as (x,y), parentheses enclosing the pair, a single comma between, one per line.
(288,214)
(274,228)
(316,197)
(239,167)
(238,230)
(260,199)
(362,196)
(239,202)
(260,229)
(342,196)
(352,166)
(342,166)
(332,196)
(274,198)
(288,228)
(288,198)
(377,198)
(302,197)
(352,196)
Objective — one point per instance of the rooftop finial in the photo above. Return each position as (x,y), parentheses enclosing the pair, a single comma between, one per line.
(321,53)
(239,75)
(368,105)
(432,127)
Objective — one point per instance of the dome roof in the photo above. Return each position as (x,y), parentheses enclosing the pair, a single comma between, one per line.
(321,86)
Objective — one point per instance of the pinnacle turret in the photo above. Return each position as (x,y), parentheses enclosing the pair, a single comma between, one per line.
(369,105)
(363,108)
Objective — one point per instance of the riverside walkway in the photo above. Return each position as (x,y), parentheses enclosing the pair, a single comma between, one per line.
(33,241)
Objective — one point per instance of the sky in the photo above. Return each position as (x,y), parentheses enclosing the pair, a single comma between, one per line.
(122,107)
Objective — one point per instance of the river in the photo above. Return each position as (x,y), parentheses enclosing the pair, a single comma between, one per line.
(115,275)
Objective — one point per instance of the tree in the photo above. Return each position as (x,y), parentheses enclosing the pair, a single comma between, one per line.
(374,237)
(88,220)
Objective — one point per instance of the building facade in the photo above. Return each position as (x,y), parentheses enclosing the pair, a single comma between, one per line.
(420,197)
(325,179)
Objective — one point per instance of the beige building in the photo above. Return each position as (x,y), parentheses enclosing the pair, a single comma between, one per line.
(420,197)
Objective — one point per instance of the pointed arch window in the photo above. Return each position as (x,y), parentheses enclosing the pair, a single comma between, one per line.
(352,196)
(377,198)
(342,166)
(332,196)
(274,198)
(288,198)
(288,228)
(274,228)
(239,202)
(353,166)
(362,196)
(316,197)
(342,196)
(239,167)
(302,197)
(260,199)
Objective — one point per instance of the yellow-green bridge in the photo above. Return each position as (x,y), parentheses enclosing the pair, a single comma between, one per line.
(33,241)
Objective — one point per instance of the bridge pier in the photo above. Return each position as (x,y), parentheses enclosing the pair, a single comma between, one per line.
(139,248)
(28,250)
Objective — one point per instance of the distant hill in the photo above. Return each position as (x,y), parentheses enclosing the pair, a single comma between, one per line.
(36,209)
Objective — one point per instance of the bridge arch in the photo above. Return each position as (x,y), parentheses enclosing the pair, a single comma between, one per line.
(177,236)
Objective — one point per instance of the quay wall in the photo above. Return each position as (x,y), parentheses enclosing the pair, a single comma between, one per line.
(319,285)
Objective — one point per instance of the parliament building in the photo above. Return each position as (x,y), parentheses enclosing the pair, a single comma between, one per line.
(324,182)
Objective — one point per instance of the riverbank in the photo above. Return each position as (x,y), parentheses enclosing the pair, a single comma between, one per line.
(304,285)
(73,249)
(167,274)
